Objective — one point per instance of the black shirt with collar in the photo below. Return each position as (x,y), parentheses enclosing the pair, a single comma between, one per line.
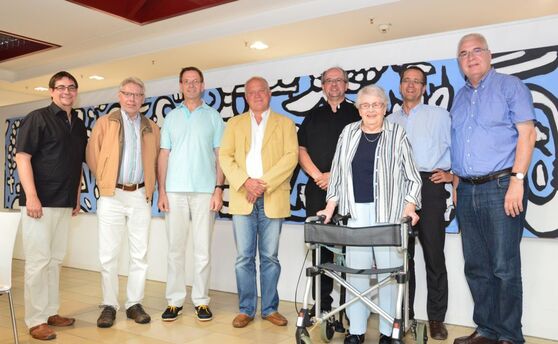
(321,128)
(57,149)
(319,133)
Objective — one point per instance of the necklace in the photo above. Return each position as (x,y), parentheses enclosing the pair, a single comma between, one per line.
(374,139)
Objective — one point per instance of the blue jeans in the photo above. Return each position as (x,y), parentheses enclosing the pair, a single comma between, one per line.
(491,241)
(251,232)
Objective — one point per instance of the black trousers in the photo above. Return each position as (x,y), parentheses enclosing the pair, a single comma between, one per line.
(432,236)
(315,201)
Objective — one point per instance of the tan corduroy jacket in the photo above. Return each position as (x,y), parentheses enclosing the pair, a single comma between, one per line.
(104,152)
(279,158)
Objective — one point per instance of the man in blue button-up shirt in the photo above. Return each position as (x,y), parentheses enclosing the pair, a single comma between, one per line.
(493,136)
(428,130)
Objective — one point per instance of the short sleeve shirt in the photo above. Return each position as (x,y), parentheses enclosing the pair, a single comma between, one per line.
(320,130)
(483,124)
(57,149)
(192,138)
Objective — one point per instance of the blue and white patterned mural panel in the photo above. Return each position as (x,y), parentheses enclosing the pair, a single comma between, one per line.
(294,97)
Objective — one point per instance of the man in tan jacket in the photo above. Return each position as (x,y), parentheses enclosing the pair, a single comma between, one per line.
(122,155)
(258,154)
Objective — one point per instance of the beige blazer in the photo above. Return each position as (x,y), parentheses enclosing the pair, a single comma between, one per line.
(279,158)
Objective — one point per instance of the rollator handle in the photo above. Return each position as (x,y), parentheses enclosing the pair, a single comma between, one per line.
(341,219)
(316,219)
(410,231)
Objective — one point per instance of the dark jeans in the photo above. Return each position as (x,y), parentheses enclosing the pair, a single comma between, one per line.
(491,248)
(315,201)
(432,235)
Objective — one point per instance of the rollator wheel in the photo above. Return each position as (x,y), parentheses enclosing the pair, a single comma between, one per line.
(422,335)
(327,330)
(302,336)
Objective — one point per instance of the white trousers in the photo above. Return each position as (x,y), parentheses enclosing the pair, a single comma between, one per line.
(362,258)
(44,245)
(184,206)
(125,212)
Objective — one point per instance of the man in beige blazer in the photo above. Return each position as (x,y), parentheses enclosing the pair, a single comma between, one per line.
(258,154)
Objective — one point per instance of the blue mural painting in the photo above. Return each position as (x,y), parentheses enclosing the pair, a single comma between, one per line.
(294,98)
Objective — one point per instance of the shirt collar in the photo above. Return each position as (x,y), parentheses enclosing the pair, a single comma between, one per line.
(486,78)
(265,114)
(125,117)
(203,105)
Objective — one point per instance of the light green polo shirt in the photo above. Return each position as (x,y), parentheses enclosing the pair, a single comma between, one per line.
(191,138)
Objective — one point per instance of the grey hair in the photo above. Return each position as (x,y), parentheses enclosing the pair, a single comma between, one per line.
(133,80)
(254,78)
(371,90)
(476,36)
(345,75)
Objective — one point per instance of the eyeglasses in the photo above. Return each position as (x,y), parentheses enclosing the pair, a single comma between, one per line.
(412,81)
(475,52)
(371,106)
(334,81)
(131,95)
(195,82)
(62,88)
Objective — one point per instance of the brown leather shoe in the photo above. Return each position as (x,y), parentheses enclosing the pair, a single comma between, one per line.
(241,320)
(276,319)
(438,330)
(474,338)
(106,319)
(57,320)
(42,332)
(137,313)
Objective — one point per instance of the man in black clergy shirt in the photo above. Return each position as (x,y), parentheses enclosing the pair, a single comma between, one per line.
(317,139)
(50,149)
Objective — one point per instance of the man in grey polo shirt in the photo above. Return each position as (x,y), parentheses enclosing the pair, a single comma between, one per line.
(190,186)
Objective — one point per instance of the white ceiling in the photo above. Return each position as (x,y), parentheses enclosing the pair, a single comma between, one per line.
(97,43)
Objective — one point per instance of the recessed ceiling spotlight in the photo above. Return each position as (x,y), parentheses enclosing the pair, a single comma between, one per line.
(384,28)
(258,45)
(41,89)
(96,77)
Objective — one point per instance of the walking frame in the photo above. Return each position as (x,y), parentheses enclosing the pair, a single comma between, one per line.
(317,234)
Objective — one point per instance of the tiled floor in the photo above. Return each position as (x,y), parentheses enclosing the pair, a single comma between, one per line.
(80,295)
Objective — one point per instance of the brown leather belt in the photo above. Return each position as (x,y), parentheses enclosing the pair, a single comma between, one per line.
(130,187)
(487,178)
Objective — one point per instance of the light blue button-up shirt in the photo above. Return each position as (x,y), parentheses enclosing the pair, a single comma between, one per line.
(191,138)
(131,165)
(483,128)
(429,131)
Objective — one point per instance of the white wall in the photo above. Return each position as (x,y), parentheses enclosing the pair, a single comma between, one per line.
(539,255)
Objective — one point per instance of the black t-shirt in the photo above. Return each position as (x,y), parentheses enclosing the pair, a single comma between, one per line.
(57,150)
(320,130)
(363,168)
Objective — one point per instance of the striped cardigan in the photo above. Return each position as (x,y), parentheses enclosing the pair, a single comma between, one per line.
(396,177)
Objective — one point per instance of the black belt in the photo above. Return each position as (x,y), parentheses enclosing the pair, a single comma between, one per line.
(487,178)
(130,187)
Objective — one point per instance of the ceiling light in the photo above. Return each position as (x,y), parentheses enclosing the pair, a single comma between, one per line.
(96,77)
(258,45)
(40,89)
(384,28)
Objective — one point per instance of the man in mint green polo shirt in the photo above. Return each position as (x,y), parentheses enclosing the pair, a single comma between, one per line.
(190,186)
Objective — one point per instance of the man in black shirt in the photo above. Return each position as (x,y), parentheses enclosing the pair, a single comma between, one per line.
(317,139)
(50,150)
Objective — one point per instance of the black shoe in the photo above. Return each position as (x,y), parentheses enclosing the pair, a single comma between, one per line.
(354,339)
(137,313)
(203,313)
(171,313)
(106,319)
(384,339)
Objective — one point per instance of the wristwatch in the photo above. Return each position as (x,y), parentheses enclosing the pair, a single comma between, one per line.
(518,175)
(222,186)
